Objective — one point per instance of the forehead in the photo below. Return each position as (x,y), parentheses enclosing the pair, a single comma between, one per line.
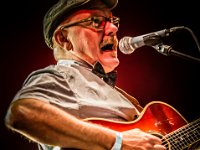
(93,12)
(84,13)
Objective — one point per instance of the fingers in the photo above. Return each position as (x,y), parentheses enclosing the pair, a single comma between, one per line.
(137,139)
(156,142)
(159,147)
(154,139)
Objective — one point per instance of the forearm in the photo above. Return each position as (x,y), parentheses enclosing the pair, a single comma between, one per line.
(50,125)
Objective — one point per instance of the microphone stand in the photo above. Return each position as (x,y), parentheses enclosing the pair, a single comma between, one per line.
(167,51)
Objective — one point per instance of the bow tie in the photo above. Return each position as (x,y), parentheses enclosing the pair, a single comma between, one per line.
(109,78)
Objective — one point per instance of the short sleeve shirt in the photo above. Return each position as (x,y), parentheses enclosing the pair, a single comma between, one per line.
(71,86)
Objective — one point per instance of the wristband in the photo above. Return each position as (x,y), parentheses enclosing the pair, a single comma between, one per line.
(118,142)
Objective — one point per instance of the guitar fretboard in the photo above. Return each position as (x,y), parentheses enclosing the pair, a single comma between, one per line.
(183,137)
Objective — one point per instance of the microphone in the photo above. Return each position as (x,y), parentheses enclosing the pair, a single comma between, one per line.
(128,45)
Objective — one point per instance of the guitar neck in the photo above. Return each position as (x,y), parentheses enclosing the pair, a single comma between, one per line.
(183,137)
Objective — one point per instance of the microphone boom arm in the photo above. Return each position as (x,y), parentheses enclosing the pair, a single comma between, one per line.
(167,51)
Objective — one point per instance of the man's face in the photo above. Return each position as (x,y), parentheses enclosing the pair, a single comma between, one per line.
(91,44)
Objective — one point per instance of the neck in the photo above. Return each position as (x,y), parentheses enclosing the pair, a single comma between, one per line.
(75,56)
(71,55)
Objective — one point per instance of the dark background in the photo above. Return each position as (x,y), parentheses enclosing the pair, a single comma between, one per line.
(145,74)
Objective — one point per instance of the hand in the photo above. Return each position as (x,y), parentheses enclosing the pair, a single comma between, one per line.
(136,139)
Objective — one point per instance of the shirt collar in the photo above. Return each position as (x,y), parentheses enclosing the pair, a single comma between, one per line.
(110,78)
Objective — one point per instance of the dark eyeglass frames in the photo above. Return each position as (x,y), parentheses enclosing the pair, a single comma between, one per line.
(97,22)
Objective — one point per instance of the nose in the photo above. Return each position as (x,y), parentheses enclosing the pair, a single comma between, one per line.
(110,29)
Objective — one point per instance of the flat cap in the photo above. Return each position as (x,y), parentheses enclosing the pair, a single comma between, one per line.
(56,14)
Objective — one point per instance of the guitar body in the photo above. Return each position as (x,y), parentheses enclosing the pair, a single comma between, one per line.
(156,117)
(160,119)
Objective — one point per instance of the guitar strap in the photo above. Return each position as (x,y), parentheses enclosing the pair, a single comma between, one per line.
(133,100)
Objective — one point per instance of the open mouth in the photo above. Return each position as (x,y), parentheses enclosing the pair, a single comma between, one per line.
(107,47)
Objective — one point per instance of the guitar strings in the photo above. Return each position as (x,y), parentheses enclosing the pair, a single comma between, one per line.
(176,138)
(183,135)
(176,143)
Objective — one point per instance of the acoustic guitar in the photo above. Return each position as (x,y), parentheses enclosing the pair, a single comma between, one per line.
(162,120)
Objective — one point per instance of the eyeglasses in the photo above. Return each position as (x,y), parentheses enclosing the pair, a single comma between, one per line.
(97,22)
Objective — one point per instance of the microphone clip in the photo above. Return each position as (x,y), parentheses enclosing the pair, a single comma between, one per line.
(168,50)
(163,49)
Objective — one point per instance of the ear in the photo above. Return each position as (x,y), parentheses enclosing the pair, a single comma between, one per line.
(61,39)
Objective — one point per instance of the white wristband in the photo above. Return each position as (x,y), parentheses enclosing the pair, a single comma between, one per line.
(118,142)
